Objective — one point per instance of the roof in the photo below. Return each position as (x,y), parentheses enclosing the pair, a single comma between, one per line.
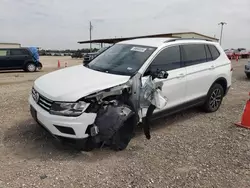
(10,43)
(154,42)
(166,35)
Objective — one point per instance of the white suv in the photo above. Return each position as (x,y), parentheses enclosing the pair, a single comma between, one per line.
(100,103)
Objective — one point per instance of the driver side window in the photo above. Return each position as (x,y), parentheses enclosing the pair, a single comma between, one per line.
(168,59)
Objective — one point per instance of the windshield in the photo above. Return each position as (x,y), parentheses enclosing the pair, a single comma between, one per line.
(122,59)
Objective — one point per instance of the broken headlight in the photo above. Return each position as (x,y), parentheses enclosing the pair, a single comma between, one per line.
(68,109)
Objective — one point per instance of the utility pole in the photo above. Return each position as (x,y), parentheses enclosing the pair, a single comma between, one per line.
(90,35)
(222,24)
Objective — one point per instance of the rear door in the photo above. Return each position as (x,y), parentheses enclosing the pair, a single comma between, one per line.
(200,70)
(174,87)
(18,57)
(4,58)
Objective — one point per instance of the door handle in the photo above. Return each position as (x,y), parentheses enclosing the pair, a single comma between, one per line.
(211,68)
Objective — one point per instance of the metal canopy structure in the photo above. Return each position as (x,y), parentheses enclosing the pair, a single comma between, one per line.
(166,35)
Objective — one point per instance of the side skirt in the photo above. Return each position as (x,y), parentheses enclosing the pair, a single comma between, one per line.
(179,108)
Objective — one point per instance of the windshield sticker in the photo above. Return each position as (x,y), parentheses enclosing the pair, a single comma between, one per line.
(129,68)
(138,49)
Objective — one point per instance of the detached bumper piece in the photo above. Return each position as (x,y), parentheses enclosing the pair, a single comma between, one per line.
(113,127)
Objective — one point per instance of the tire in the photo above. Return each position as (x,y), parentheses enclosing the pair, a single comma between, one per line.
(39,67)
(214,98)
(30,67)
(248,76)
(123,136)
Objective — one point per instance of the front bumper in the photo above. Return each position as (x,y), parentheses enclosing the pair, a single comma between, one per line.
(247,71)
(60,126)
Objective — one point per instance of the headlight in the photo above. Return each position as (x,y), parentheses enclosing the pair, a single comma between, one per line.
(68,109)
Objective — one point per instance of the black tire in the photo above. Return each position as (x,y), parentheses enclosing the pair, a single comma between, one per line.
(39,67)
(30,67)
(123,136)
(214,98)
(248,76)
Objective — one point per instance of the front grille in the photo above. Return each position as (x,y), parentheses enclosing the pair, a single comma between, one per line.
(41,100)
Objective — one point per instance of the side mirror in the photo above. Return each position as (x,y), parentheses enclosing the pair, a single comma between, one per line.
(161,74)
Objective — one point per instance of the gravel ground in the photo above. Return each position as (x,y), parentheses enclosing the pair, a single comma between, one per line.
(190,149)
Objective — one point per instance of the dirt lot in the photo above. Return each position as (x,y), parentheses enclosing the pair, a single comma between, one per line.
(190,149)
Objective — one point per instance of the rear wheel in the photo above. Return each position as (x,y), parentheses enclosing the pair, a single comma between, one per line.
(30,67)
(214,98)
(248,76)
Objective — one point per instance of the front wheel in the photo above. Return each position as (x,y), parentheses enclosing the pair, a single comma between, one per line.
(214,98)
(39,67)
(248,76)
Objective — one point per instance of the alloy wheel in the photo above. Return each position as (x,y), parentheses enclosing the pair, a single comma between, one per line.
(215,99)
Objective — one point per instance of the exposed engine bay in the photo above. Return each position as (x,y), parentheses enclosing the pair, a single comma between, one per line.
(119,111)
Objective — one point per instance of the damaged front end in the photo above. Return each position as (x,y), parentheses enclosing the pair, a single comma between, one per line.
(119,111)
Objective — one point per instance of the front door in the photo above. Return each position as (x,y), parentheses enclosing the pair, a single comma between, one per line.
(174,87)
(18,58)
(4,59)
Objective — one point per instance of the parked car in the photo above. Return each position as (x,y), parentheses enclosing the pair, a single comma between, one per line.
(20,58)
(230,53)
(77,54)
(247,69)
(90,56)
(240,52)
(101,103)
(244,54)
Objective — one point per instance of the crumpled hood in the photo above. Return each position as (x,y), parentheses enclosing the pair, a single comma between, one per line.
(73,83)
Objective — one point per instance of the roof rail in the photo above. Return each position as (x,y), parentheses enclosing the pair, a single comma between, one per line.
(175,39)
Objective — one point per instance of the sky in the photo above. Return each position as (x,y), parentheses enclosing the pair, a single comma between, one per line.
(60,24)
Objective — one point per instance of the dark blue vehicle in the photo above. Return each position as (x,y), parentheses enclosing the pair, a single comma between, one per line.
(20,58)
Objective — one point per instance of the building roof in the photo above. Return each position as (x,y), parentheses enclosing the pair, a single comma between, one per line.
(166,35)
(10,43)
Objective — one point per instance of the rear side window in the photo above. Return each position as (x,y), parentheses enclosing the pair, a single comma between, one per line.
(168,59)
(193,54)
(214,51)
(15,52)
(3,53)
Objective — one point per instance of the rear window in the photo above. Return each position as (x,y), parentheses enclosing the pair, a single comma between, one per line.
(194,54)
(18,52)
(214,51)
(3,52)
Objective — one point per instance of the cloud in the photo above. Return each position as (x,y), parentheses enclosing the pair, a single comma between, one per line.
(61,23)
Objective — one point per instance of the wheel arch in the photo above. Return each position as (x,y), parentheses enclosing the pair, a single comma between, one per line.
(223,82)
(27,62)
